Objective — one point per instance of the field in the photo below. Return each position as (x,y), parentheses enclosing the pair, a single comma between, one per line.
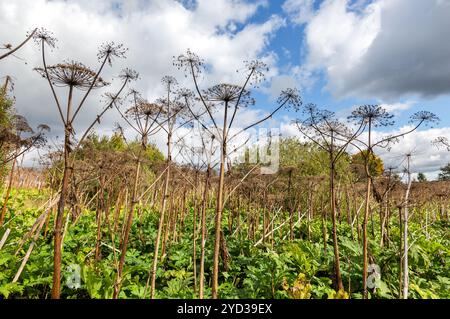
(276,267)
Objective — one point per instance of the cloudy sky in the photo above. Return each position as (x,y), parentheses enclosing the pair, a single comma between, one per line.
(339,53)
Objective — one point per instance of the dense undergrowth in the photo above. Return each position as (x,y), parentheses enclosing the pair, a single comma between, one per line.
(300,268)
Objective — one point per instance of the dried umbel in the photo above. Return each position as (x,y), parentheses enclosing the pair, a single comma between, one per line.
(185,94)
(425,117)
(375,114)
(37,141)
(256,71)
(335,128)
(143,109)
(111,98)
(110,50)
(129,74)
(169,82)
(175,106)
(291,97)
(189,61)
(72,74)
(229,93)
(322,123)
(315,115)
(43,36)
(15,140)
(442,141)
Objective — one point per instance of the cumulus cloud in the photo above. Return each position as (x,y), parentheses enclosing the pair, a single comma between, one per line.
(384,49)
(397,108)
(299,11)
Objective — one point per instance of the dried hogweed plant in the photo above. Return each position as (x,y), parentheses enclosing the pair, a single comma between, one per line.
(370,116)
(227,98)
(74,75)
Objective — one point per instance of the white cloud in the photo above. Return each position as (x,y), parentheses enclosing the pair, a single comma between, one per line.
(381,49)
(337,39)
(396,108)
(299,11)
(280,83)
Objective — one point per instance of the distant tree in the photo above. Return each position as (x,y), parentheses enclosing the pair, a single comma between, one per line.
(421,177)
(445,173)
(376,165)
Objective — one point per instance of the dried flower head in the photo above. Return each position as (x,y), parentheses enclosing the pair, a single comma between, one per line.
(73,74)
(169,82)
(111,99)
(143,109)
(129,75)
(318,116)
(291,97)
(442,141)
(40,139)
(229,93)
(375,114)
(256,70)
(43,36)
(189,61)
(7,46)
(110,50)
(336,127)
(175,106)
(310,108)
(185,96)
(424,117)
(185,93)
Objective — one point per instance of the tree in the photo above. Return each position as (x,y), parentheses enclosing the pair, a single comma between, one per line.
(444,175)
(421,177)
(376,165)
